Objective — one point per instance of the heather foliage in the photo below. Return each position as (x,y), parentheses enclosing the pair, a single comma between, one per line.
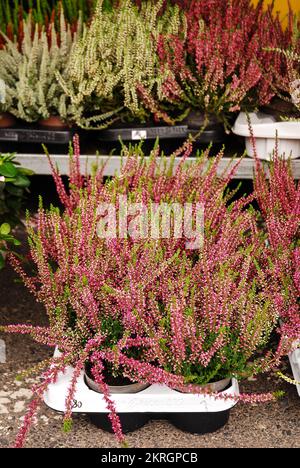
(279,201)
(28,73)
(115,66)
(148,309)
(287,85)
(160,60)
(220,65)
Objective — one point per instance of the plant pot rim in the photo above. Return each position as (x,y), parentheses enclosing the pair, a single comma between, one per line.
(7,120)
(54,121)
(213,387)
(114,389)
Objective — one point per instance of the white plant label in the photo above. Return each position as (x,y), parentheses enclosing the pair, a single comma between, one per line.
(138,134)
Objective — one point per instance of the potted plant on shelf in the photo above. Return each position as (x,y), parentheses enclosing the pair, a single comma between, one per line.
(276,128)
(29,73)
(115,71)
(220,62)
(115,302)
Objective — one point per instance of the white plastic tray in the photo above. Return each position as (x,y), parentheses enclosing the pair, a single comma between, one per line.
(154,399)
(265,130)
(294,358)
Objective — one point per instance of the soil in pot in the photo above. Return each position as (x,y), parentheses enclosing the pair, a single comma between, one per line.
(53,122)
(130,421)
(203,423)
(7,120)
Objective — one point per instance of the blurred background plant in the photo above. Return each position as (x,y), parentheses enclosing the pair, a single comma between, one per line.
(14,185)
(12,12)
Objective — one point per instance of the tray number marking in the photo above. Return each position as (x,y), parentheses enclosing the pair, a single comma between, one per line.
(77,404)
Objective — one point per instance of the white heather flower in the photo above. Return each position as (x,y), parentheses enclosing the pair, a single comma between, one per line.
(295,92)
(2,92)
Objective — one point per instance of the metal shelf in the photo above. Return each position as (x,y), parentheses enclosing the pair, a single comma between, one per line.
(40,165)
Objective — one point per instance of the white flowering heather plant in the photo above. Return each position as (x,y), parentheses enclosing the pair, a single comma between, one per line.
(115,70)
(29,71)
(149,308)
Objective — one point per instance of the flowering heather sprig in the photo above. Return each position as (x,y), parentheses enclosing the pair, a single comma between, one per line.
(48,377)
(97,371)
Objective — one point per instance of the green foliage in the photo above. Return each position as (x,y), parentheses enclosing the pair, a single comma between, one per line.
(14,184)
(5,239)
(67,427)
(42,10)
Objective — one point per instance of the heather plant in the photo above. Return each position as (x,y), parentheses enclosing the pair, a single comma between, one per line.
(118,303)
(220,64)
(287,85)
(29,72)
(5,98)
(115,67)
(279,201)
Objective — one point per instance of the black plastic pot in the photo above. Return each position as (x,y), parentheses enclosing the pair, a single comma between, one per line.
(130,421)
(199,423)
(35,135)
(170,137)
(26,138)
(212,130)
(143,133)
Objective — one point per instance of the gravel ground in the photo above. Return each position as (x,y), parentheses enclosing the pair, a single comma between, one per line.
(265,425)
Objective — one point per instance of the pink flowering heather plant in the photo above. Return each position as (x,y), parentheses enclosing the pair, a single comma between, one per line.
(279,201)
(149,309)
(220,64)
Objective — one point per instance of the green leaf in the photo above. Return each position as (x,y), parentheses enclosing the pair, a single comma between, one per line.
(21,181)
(8,169)
(2,261)
(16,191)
(5,229)
(27,172)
